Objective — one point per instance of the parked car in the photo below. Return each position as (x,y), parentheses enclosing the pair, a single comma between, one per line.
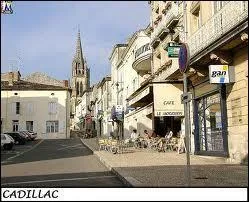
(7,141)
(19,139)
(32,135)
(25,135)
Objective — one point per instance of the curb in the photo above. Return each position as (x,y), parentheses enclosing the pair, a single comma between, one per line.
(122,178)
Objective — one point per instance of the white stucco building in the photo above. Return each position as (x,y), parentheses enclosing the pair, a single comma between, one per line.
(33,106)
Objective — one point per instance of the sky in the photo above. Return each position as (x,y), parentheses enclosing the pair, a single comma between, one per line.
(41,36)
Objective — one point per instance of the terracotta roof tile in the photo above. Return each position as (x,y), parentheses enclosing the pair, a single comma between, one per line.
(25,85)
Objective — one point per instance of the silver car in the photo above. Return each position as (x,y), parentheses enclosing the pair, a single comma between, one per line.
(7,141)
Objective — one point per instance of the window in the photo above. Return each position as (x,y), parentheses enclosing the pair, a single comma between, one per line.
(15,124)
(17,107)
(29,125)
(196,19)
(81,89)
(52,126)
(77,88)
(52,107)
(30,108)
(218,5)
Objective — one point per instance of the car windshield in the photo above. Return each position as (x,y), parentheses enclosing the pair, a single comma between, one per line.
(3,137)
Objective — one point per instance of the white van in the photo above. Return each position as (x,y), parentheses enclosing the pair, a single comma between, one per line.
(7,141)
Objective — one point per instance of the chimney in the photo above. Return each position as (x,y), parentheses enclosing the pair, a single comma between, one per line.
(16,76)
(65,83)
(11,78)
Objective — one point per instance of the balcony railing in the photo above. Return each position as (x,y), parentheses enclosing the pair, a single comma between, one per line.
(166,19)
(225,20)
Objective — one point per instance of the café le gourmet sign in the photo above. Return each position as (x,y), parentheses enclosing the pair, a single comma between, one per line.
(221,74)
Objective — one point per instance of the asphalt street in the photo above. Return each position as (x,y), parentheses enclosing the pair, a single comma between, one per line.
(54,163)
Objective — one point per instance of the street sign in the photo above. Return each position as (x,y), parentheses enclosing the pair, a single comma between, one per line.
(183,57)
(173,49)
(186,97)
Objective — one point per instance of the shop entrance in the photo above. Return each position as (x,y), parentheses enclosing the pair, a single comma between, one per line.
(210,125)
(162,123)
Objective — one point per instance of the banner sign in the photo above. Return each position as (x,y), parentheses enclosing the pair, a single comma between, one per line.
(167,100)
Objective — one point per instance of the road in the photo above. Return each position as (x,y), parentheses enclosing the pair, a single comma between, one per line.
(54,163)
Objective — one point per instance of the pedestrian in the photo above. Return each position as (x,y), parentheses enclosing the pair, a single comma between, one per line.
(181,145)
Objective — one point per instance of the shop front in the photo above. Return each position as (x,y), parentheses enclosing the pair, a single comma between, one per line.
(168,109)
(210,120)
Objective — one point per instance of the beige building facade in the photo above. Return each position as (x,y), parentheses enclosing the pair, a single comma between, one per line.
(217,34)
(117,89)
(44,109)
(104,121)
(166,31)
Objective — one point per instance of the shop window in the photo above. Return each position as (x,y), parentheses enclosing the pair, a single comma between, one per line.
(210,124)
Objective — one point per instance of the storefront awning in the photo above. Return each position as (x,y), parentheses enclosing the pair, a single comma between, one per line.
(142,96)
(167,99)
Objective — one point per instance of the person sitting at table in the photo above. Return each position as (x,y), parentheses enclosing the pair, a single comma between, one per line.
(145,139)
(154,135)
(168,135)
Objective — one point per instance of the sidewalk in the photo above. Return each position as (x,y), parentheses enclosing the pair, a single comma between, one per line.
(144,168)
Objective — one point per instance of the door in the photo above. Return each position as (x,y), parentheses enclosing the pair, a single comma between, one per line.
(210,128)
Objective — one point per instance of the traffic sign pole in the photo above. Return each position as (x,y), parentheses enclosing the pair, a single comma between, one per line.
(183,65)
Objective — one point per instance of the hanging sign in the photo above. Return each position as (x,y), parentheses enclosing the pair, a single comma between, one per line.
(221,74)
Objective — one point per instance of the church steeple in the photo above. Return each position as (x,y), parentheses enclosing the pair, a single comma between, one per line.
(80,75)
(79,52)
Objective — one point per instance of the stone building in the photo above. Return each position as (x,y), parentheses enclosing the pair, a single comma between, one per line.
(104,105)
(116,87)
(166,21)
(216,34)
(42,108)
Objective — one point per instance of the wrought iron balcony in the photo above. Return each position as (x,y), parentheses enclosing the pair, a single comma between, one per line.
(225,20)
(142,63)
(167,20)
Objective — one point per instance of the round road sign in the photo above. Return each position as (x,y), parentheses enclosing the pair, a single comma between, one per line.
(183,57)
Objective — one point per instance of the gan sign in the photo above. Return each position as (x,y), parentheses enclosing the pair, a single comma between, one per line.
(221,74)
